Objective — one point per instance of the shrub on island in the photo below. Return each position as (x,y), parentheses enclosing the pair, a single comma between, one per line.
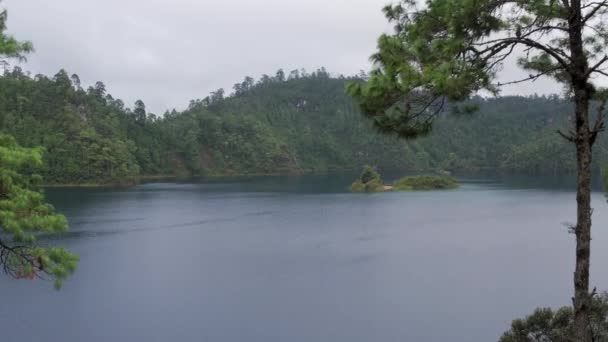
(425,182)
(369,181)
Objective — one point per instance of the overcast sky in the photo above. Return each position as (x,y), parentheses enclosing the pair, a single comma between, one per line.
(169,52)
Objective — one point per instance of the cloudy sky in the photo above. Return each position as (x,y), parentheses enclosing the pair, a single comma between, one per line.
(169,52)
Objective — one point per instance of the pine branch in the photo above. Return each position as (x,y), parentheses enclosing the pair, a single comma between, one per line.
(570,136)
(529,78)
(598,6)
(596,66)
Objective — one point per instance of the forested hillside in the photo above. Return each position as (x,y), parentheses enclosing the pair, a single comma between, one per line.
(301,122)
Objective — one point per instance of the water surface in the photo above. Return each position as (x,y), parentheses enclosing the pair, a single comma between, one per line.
(299,259)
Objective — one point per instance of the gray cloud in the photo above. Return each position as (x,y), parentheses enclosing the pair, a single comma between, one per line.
(169,52)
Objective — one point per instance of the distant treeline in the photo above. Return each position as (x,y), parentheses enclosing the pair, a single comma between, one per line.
(296,122)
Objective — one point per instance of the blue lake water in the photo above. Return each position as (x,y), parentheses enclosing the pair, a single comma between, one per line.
(299,259)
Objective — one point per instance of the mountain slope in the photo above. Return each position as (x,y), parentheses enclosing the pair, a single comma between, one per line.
(301,123)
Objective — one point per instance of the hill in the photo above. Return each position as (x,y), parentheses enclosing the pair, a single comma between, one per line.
(292,123)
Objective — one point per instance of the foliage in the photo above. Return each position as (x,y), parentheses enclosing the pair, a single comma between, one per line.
(546,324)
(300,124)
(369,181)
(425,182)
(83,133)
(357,186)
(24,214)
(9,46)
(369,174)
(444,51)
(373,185)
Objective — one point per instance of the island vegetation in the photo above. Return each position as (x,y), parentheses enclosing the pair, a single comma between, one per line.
(371,181)
(425,182)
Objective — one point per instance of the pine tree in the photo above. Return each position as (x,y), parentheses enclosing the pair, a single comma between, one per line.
(24,215)
(23,212)
(447,50)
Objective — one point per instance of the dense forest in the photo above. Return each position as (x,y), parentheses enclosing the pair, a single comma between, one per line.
(296,122)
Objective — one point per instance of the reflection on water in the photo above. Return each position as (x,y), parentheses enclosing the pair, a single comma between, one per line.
(300,259)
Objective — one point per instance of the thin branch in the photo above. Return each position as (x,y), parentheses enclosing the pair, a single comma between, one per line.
(599,125)
(23,253)
(502,43)
(570,136)
(529,78)
(599,6)
(601,72)
(596,66)
(549,50)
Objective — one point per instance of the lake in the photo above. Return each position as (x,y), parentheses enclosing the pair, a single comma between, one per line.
(300,259)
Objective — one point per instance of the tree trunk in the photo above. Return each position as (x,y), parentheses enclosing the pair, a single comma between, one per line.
(583,141)
(581,298)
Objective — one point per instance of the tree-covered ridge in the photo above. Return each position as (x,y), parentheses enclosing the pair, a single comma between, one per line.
(84,132)
(299,122)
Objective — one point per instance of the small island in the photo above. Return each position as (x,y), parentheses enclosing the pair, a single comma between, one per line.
(370,181)
(425,183)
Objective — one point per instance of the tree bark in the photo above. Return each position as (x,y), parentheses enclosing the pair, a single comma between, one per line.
(581,298)
(583,142)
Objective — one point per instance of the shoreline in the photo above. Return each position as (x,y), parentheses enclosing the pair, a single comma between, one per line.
(127,183)
(130,182)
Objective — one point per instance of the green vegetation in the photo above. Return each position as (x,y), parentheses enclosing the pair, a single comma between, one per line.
(24,215)
(303,123)
(23,212)
(369,181)
(425,182)
(445,51)
(548,325)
